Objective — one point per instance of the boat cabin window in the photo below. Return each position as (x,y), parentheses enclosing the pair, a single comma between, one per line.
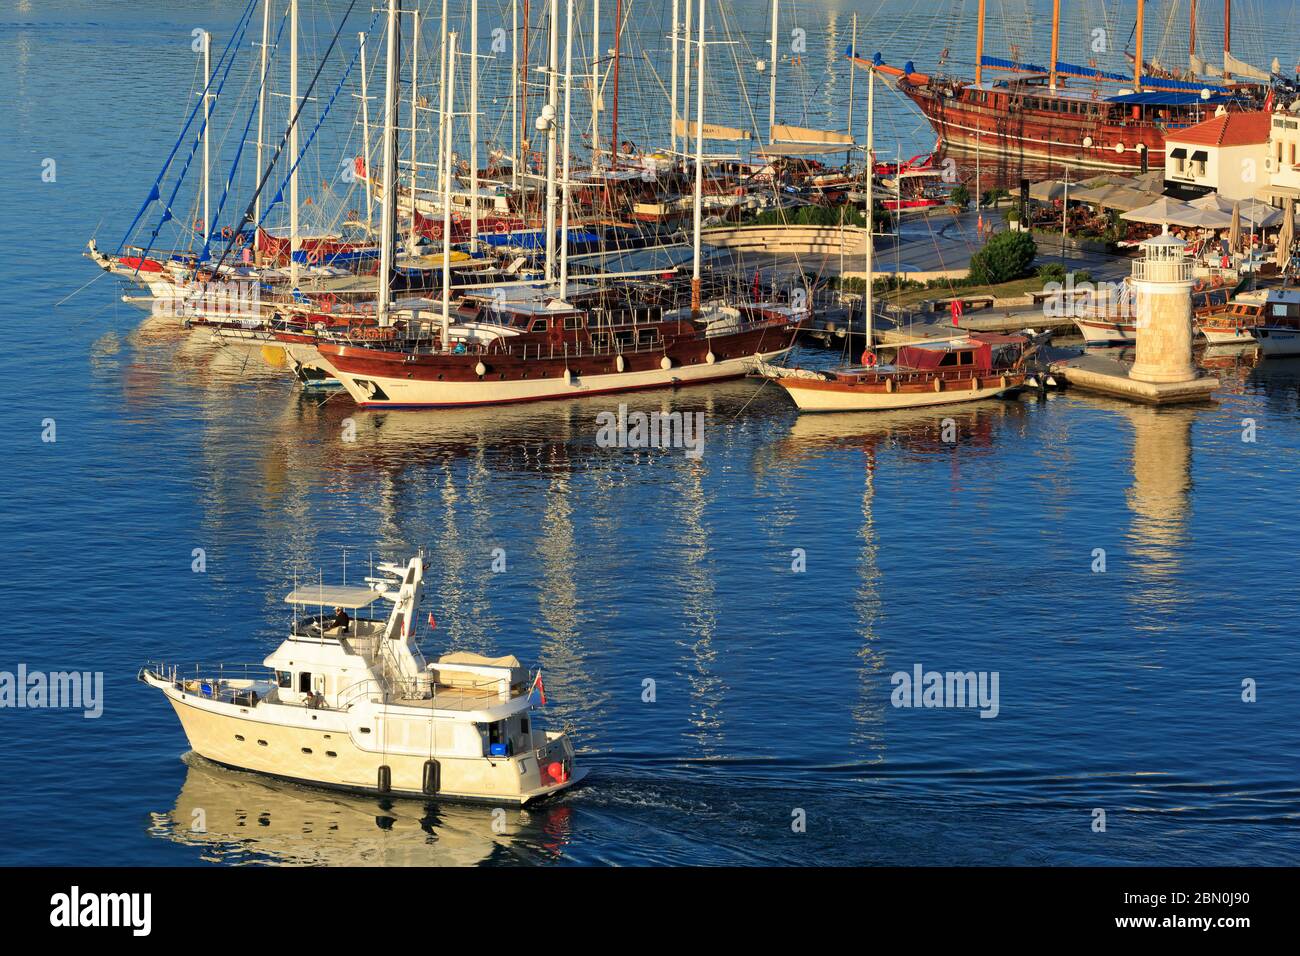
(284,679)
(572,322)
(304,682)
(539,325)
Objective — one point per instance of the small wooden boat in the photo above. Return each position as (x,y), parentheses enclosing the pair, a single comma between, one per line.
(967,368)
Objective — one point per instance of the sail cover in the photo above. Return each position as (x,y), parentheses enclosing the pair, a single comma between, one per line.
(782,133)
(711,131)
(1241,68)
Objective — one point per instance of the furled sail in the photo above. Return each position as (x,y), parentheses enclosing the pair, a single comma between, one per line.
(1241,68)
(711,131)
(782,133)
(1202,68)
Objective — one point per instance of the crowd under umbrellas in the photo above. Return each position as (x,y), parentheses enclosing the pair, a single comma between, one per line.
(1242,234)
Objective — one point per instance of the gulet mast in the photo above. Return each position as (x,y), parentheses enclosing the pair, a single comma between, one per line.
(699,167)
(388,215)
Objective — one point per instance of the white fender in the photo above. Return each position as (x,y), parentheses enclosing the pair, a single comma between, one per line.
(480,369)
(710,358)
(619,363)
(665,363)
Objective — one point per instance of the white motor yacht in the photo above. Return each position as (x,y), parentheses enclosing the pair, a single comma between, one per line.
(349,701)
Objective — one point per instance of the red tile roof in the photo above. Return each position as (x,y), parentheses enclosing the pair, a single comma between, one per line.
(1230,129)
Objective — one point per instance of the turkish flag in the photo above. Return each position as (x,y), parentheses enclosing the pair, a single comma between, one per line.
(956,310)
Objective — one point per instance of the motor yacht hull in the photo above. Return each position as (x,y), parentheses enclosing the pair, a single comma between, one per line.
(328,748)
(1277,341)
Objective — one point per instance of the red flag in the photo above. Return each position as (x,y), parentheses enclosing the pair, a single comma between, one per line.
(956,310)
(537,683)
(432,623)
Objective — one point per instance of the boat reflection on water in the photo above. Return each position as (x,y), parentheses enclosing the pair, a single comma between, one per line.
(920,432)
(233,817)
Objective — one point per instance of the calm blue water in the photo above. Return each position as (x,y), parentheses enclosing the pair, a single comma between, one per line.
(1118,690)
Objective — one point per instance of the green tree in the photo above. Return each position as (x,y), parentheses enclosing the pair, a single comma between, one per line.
(1006,256)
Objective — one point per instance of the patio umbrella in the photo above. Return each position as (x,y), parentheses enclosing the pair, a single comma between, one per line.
(1260,215)
(1049,189)
(1212,201)
(1210,218)
(1152,181)
(1286,236)
(1234,230)
(1123,198)
(1166,212)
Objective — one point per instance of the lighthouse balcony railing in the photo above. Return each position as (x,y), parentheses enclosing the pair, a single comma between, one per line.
(1163,270)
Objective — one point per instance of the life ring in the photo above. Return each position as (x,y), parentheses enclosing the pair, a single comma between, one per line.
(353,214)
(1199,286)
(227,232)
(1217,282)
(500,228)
(313,257)
(868,358)
(198,223)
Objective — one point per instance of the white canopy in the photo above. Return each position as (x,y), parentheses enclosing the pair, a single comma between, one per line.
(333,596)
(1172,212)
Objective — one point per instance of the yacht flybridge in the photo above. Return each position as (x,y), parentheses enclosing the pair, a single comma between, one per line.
(349,701)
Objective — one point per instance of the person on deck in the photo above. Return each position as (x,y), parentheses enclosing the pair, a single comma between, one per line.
(341,620)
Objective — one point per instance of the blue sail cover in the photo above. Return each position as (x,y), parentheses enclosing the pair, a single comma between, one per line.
(1088,72)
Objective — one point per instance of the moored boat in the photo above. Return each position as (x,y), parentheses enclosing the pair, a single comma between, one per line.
(963,369)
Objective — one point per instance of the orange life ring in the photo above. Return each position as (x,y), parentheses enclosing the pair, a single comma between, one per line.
(868,358)
(226,232)
(198,223)
(501,228)
(313,257)
(1199,286)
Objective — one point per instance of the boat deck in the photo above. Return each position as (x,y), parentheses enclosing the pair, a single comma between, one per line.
(457,698)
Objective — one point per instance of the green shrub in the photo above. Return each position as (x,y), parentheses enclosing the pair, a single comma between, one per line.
(960,197)
(1051,272)
(1006,256)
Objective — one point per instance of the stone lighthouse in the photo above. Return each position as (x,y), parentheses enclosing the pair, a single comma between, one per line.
(1162,372)
(1162,296)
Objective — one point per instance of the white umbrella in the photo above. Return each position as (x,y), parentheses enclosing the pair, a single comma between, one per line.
(1212,201)
(1166,212)
(1048,190)
(1258,214)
